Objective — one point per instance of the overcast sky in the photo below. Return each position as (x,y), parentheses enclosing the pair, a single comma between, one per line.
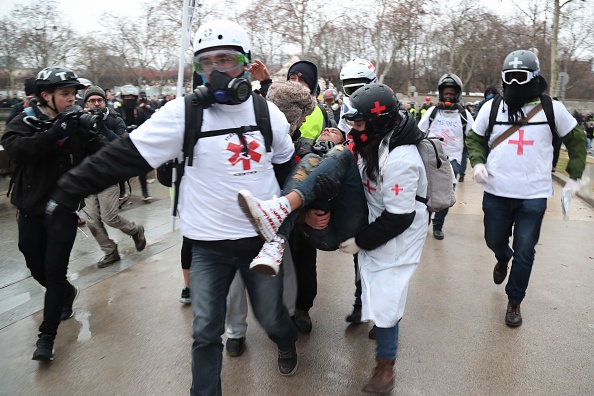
(83,16)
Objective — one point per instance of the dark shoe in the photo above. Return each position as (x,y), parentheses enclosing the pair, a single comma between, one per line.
(235,346)
(382,380)
(139,239)
(500,272)
(288,361)
(302,321)
(146,198)
(355,317)
(185,296)
(45,348)
(438,233)
(513,316)
(67,311)
(109,259)
(461,179)
(371,334)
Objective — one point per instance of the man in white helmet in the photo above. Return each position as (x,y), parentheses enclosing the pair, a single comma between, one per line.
(222,238)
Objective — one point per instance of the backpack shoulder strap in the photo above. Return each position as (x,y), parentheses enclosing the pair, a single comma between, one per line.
(193,121)
(263,119)
(325,115)
(547,105)
(432,117)
(463,118)
(496,101)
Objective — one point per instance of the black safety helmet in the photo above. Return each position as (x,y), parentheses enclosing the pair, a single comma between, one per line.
(521,66)
(450,80)
(51,78)
(377,105)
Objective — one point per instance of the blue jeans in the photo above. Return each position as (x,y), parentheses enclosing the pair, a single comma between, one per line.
(440,216)
(523,217)
(348,209)
(464,162)
(214,265)
(386,344)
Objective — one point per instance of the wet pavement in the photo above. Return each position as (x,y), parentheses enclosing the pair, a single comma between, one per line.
(131,336)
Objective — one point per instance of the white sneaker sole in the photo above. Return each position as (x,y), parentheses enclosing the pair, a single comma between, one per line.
(249,206)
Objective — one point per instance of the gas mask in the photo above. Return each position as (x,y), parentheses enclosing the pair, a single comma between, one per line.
(226,90)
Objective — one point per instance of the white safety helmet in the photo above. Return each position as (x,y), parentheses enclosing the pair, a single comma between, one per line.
(85,82)
(356,73)
(222,32)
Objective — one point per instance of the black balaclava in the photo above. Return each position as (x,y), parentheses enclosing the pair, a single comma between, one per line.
(516,95)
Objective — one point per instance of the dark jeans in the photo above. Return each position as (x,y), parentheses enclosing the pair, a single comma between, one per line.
(464,162)
(213,268)
(439,217)
(386,344)
(523,217)
(46,244)
(358,289)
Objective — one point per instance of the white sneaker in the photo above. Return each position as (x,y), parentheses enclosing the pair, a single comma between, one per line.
(268,261)
(266,216)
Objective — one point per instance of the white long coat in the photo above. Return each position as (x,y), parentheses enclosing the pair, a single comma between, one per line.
(386,271)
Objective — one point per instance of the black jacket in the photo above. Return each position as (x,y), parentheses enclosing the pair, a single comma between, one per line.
(40,160)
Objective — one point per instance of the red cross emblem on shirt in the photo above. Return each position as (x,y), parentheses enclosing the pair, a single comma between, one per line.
(521,142)
(378,108)
(445,135)
(397,189)
(239,155)
(368,186)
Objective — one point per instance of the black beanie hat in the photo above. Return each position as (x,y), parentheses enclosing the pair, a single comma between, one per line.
(30,86)
(308,71)
(94,90)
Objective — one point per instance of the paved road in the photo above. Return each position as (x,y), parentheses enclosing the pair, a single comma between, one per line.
(130,335)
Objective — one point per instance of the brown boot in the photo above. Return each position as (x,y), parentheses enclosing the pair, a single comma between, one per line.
(382,380)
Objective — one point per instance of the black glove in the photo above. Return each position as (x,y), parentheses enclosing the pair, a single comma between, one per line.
(65,125)
(326,188)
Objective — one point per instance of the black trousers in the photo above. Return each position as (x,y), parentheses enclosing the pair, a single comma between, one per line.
(304,258)
(46,243)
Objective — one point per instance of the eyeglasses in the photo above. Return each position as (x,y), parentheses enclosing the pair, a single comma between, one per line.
(521,77)
(95,101)
(205,62)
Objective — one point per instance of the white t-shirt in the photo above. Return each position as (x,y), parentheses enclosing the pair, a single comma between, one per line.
(448,126)
(208,209)
(520,167)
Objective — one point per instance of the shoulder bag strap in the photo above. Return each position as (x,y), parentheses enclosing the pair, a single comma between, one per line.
(515,127)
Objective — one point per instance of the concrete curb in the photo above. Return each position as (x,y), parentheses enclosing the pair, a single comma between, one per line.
(562,179)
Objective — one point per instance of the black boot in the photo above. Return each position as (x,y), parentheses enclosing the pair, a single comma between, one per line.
(513,316)
(437,232)
(355,316)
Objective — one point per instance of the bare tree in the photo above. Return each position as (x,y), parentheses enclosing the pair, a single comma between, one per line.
(46,39)
(9,50)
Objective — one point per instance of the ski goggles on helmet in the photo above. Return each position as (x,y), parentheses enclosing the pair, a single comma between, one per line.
(520,77)
(352,115)
(350,89)
(221,60)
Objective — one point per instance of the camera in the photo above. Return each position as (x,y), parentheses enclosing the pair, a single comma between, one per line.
(91,122)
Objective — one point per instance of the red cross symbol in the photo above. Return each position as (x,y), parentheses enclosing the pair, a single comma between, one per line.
(239,156)
(521,142)
(445,135)
(368,186)
(378,109)
(397,189)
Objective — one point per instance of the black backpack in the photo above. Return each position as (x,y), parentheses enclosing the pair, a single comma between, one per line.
(192,133)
